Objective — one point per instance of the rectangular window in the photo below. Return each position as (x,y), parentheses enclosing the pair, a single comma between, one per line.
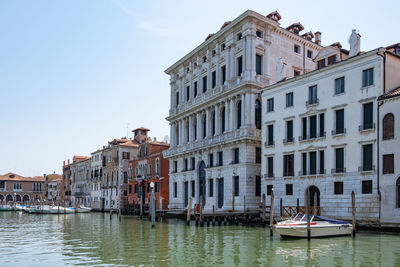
(367,157)
(296,73)
(220,158)
(309,53)
(367,187)
(270,166)
(236,185)
(187,93)
(321,63)
(296,49)
(368,116)
(213,79)
(321,162)
(339,85)
(304,164)
(194,89)
(338,188)
(211,187)
(185,164)
(204,84)
(175,189)
(156,187)
(288,165)
(270,105)
(258,154)
(193,163)
(321,125)
(135,189)
(259,34)
(239,66)
(332,60)
(236,155)
(313,163)
(193,187)
(289,131)
(339,124)
(313,126)
(289,99)
(258,186)
(211,160)
(289,189)
(368,77)
(176,102)
(304,129)
(269,189)
(270,129)
(339,160)
(175,166)
(388,163)
(312,95)
(258,64)
(223,74)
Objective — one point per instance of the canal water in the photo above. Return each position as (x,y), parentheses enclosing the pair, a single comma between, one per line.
(95,240)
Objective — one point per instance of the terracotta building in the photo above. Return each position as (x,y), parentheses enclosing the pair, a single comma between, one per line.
(14,187)
(149,166)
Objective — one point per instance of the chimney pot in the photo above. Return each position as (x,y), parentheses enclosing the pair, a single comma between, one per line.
(318,38)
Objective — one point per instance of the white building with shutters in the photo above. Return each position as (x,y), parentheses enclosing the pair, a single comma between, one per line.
(321,134)
(215,114)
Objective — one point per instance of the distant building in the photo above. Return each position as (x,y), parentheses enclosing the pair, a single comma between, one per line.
(149,166)
(53,184)
(96,175)
(66,185)
(80,180)
(14,187)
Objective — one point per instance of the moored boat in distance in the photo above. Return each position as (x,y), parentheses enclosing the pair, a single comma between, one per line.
(319,227)
(6,208)
(83,209)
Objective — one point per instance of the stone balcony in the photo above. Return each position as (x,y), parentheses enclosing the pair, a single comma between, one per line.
(243,133)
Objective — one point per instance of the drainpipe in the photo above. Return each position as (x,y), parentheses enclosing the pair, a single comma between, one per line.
(378,138)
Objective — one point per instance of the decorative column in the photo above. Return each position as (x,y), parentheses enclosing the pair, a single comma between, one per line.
(232,115)
(249,109)
(190,125)
(217,120)
(198,117)
(243,110)
(227,123)
(252,111)
(180,132)
(208,128)
(171,135)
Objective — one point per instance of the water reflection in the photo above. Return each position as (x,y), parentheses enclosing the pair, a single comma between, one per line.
(95,240)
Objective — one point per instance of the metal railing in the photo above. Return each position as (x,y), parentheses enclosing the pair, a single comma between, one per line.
(366,168)
(338,170)
(339,131)
(366,126)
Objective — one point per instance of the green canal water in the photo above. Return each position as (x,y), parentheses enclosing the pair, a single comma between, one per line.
(95,240)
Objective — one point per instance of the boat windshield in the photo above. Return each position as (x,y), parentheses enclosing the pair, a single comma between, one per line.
(298,217)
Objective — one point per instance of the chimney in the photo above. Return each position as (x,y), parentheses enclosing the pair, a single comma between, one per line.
(318,38)
(64,163)
(155,139)
(68,162)
(354,41)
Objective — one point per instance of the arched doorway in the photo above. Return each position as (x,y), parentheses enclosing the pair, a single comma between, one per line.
(314,198)
(9,198)
(18,198)
(25,198)
(1,197)
(202,183)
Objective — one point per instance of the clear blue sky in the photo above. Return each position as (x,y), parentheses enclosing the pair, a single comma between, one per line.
(74,73)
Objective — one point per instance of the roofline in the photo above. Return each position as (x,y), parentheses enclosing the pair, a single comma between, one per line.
(317,71)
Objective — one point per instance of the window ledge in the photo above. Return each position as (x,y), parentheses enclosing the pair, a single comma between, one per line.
(367,87)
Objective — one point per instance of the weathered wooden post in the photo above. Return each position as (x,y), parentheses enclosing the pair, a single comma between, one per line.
(308,214)
(297,206)
(315,204)
(233,200)
(263,208)
(189,211)
(281,207)
(271,214)
(152,205)
(353,211)
(201,215)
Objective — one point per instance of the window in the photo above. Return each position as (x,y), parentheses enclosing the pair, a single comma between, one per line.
(185,164)
(367,158)
(258,154)
(289,131)
(289,99)
(296,49)
(270,135)
(214,53)
(239,36)
(239,115)
(212,123)
(368,116)
(259,34)
(236,185)
(339,160)
(204,84)
(270,105)
(236,156)
(388,126)
(258,186)
(177,99)
(367,187)
(223,120)
(193,163)
(338,188)
(135,189)
(313,126)
(270,166)
(312,95)
(220,158)
(239,66)
(270,187)
(339,123)
(258,64)
(388,163)
(175,166)
(398,192)
(304,164)
(339,85)
(175,189)
(223,46)
(309,53)
(288,165)
(130,189)
(211,187)
(296,73)
(368,77)
(321,162)
(195,89)
(313,163)
(289,189)
(156,187)
(187,93)
(204,59)
(204,126)
(211,160)
(126,177)
(321,125)
(257,114)
(223,74)
(304,128)
(193,183)
(331,60)
(321,63)
(213,79)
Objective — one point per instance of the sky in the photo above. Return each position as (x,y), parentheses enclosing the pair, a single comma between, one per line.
(76,74)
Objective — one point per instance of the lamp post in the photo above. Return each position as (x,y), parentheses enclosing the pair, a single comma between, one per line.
(152,205)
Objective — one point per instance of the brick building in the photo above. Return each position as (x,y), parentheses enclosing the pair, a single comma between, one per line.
(149,166)
(14,187)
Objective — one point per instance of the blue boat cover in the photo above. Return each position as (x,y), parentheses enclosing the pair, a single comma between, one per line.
(331,220)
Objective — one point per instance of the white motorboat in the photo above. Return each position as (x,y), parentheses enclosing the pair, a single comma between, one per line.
(6,207)
(319,226)
(83,209)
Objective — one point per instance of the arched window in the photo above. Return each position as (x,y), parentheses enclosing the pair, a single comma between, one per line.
(204,126)
(258,114)
(223,120)
(239,115)
(213,122)
(398,193)
(388,126)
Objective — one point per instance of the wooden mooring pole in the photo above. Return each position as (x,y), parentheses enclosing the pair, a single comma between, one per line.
(263,208)
(308,214)
(353,211)
(189,211)
(271,214)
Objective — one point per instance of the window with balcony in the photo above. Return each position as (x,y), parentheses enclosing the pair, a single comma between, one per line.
(368,77)
(258,186)
(270,167)
(339,122)
(289,99)
(204,84)
(289,132)
(312,95)
(339,161)
(367,158)
(368,119)
(388,127)
(339,85)
(388,163)
(258,64)
(288,165)
(270,105)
